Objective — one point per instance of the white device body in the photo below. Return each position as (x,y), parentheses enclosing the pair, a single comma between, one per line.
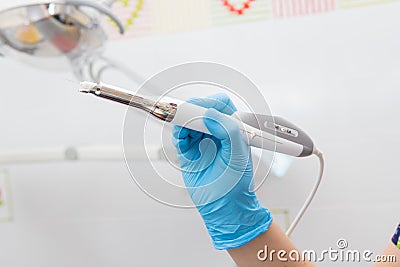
(190,116)
(286,138)
(286,141)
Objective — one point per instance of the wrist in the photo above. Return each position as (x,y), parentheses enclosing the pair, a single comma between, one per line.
(237,228)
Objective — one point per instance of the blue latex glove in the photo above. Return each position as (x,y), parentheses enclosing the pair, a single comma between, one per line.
(217,170)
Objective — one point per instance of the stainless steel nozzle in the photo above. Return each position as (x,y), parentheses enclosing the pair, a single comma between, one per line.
(161,110)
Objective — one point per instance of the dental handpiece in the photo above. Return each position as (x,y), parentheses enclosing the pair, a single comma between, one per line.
(262,131)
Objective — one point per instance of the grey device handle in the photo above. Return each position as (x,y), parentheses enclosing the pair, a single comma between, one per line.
(279,127)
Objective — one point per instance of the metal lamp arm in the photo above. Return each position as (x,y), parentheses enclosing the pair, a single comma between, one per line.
(102,7)
(108,2)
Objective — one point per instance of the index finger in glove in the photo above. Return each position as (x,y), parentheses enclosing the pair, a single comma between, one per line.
(220,102)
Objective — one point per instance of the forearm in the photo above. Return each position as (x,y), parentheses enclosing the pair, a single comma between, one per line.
(275,240)
(390,251)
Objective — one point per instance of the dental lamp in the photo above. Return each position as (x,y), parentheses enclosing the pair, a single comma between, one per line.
(59,33)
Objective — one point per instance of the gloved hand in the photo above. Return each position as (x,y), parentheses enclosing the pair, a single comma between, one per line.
(218,173)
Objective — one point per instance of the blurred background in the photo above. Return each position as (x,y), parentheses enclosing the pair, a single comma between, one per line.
(331,67)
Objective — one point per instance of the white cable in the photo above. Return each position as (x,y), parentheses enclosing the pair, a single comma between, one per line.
(310,198)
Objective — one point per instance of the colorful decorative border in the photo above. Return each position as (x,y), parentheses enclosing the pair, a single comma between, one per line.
(152,17)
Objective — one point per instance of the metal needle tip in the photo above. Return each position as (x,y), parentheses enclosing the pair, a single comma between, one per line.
(86,87)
